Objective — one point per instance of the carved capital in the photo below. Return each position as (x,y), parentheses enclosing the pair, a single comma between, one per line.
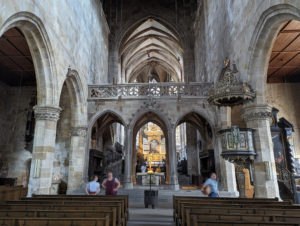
(79,131)
(257,112)
(47,113)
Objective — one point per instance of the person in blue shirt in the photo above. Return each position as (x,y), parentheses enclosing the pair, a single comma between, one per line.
(213,183)
(93,187)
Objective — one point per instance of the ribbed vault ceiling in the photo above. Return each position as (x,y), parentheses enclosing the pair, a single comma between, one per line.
(153,49)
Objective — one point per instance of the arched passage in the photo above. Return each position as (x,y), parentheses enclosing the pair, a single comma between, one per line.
(269,25)
(262,42)
(282,92)
(36,36)
(106,145)
(18,89)
(145,119)
(194,148)
(70,137)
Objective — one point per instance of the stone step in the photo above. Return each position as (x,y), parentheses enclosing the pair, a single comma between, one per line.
(140,223)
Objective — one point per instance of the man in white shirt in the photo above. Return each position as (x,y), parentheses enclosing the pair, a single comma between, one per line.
(93,187)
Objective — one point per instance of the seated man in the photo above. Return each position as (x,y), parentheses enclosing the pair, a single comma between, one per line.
(93,187)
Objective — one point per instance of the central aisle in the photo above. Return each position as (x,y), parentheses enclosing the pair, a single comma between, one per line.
(161,215)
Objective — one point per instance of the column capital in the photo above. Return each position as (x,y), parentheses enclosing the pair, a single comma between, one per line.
(47,112)
(79,131)
(257,112)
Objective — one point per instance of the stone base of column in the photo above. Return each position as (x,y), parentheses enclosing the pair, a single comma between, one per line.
(174,187)
(128,185)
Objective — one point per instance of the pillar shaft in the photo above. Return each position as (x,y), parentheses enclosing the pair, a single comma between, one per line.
(224,169)
(128,160)
(172,160)
(265,178)
(43,149)
(76,159)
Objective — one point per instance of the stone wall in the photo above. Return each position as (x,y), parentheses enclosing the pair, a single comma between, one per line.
(78,35)
(229,27)
(285,97)
(15,160)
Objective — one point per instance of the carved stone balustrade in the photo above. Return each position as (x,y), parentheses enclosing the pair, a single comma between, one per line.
(144,90)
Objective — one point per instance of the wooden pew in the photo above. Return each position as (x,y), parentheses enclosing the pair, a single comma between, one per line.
(181,218)
(236,210)
(12,193)
(84,206)
(101,221)
(119,204)
(238,223)
(251,218)
(179,211)
(99,212)
(178,199)
(123,198)
(110,197)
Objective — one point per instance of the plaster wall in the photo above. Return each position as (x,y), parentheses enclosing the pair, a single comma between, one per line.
(284,97)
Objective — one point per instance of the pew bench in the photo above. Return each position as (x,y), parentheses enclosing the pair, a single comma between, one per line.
(63,214)
(99,221)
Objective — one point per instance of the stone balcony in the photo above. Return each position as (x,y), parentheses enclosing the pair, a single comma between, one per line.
(146,90)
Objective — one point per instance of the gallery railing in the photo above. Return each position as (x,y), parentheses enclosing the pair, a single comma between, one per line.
(143,90)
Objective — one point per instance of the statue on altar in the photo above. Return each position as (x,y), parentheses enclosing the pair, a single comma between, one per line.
(150,169)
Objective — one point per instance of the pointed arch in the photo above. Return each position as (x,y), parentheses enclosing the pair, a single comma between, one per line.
(261,44)
(78,97)
(40,47)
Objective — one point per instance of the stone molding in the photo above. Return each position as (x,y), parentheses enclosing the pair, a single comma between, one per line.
(257,112)
(50,113)
(80,131)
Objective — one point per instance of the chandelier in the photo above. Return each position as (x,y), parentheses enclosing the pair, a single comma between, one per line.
(229,91)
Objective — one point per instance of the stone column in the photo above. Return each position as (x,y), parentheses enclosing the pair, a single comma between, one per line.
(265,178)
(43,149)
(76,159)
(172,160)
(128,160)
(193,160)
(224,169)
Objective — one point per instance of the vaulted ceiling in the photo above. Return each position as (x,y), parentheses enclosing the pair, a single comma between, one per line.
(154,49)
(16,65)
(284,64)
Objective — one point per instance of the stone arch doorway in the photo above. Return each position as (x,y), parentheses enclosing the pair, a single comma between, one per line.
(194,149)
(21,81)
(69,151)
(150,143)
(282,91)
(150,118)
(268,27)
(106,150)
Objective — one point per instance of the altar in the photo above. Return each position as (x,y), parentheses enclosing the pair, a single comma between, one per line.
(155,178)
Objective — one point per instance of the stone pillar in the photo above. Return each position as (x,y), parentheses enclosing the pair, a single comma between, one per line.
(128,160)
(172,160)
(193,160)
(76,159)
(265,179)
(43,149)
(224,169)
